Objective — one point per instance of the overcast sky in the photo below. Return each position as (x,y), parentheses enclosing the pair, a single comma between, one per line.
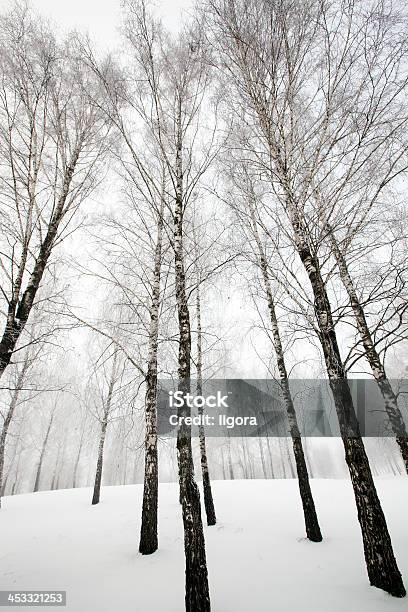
(102,17)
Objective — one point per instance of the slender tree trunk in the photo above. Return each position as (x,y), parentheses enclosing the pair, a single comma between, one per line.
(230,466)
(309,511)
(289,456)
(42,455)
(57,468)
(55,473)
(17,474)
(125,468)
(373,358)
(104,425)
(382,567)
(197,597)
(250,459)
(268,442)
(242,464)
(5,480)
(78,456)
(208,497)
(148,532)
(3,437)
(99,463)
(262,455)
(224,473)
(9,417)
(282,457)
(244,460)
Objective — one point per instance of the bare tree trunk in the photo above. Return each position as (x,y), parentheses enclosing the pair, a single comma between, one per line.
(99,463)
(249,459)
(230,466)
(42,455)
(224,473)
(56,469)
(78,456)
(309,511)
(373,358)
(148,532)
(56,479)
(289,456)
(282,457)
(382,567)
(208,497)
(268,442)
(3,437)
(197,597)
(244,460)
(262,454)
(104,425)
(5,480)
(242,464)
(8,418)
(17,474)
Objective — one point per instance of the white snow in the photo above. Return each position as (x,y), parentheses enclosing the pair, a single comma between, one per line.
(258,557)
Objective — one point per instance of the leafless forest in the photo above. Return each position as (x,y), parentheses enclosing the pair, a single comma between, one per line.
(227,201)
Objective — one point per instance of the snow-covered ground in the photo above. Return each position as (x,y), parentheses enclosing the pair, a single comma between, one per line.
(258,558)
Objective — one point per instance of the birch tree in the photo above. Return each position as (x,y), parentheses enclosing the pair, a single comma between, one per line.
(52,145)
(208,496)
(175,75)
(107,399)
(148,534)
(249,216)
(371,349)
(44,448)
(136,251)
(273,53)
